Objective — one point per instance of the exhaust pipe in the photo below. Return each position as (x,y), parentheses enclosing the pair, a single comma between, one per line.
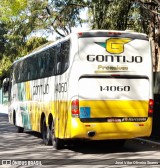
(91,133)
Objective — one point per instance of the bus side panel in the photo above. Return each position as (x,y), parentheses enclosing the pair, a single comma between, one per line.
(62,116)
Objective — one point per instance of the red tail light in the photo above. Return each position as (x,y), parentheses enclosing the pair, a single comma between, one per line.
(114,33)
(75,108)
(151,104)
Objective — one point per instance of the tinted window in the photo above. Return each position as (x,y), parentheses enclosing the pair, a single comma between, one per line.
(52,61)
(65,55)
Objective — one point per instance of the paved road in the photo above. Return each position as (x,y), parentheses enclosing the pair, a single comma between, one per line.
(28,145)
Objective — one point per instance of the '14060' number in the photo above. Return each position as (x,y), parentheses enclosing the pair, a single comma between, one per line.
(115,88)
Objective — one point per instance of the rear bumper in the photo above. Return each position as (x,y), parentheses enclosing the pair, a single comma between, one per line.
(106,131)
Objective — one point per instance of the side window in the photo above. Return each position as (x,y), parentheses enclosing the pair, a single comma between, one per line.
(21,73)
(51,66)
(16,72)
(34,68)
(58,59)
(41,62)
(29,69)
(25,68)
(46,63)
(52,61)
(65,49)
(62,57)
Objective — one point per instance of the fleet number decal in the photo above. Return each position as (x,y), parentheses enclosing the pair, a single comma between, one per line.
(61,87)
(115,88)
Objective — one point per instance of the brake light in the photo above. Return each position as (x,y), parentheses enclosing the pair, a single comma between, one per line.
(151,105)
(75,108)
(114,33)
(80,33)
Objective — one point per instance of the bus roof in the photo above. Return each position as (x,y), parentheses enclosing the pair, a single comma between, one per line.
(89,33)
(113,33)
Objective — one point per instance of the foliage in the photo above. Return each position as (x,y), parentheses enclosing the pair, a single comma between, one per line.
(34,42)
(118,15)
(19,19)
(3,40)
(10,8)
(64,15)
(5,64)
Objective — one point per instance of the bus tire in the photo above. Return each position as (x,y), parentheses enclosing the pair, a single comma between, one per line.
(20,129)
(56,142)
(45,132)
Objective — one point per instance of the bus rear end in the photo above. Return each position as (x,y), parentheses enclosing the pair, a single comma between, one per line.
(114,90)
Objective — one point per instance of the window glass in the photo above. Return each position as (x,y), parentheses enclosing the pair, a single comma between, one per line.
(16,71)
(58,59)
(25,69)
(35,68)
(65,47)
(52,61)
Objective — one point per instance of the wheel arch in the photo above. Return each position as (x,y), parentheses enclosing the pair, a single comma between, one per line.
(48,120)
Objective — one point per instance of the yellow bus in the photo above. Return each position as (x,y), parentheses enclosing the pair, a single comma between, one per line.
(93,85)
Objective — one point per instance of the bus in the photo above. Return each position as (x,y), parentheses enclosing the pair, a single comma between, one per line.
(90,85)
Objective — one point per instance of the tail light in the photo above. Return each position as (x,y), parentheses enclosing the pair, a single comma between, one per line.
(80,33)
(150,109)
(75,108)
(114,33)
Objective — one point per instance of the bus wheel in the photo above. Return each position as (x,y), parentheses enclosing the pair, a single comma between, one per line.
(56,142)
(20,129)
(45,132)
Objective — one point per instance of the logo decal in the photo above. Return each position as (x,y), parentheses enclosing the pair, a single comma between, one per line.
(115,45)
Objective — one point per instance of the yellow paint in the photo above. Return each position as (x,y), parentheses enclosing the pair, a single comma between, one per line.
(116,108)
(112,130)
(104,131)
(68,127)
(28,91)
(116,45)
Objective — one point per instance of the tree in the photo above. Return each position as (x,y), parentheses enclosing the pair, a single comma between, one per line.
(18,20)
(105,14)
(34,42)
(11,8)
(64,15)
(3,39)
